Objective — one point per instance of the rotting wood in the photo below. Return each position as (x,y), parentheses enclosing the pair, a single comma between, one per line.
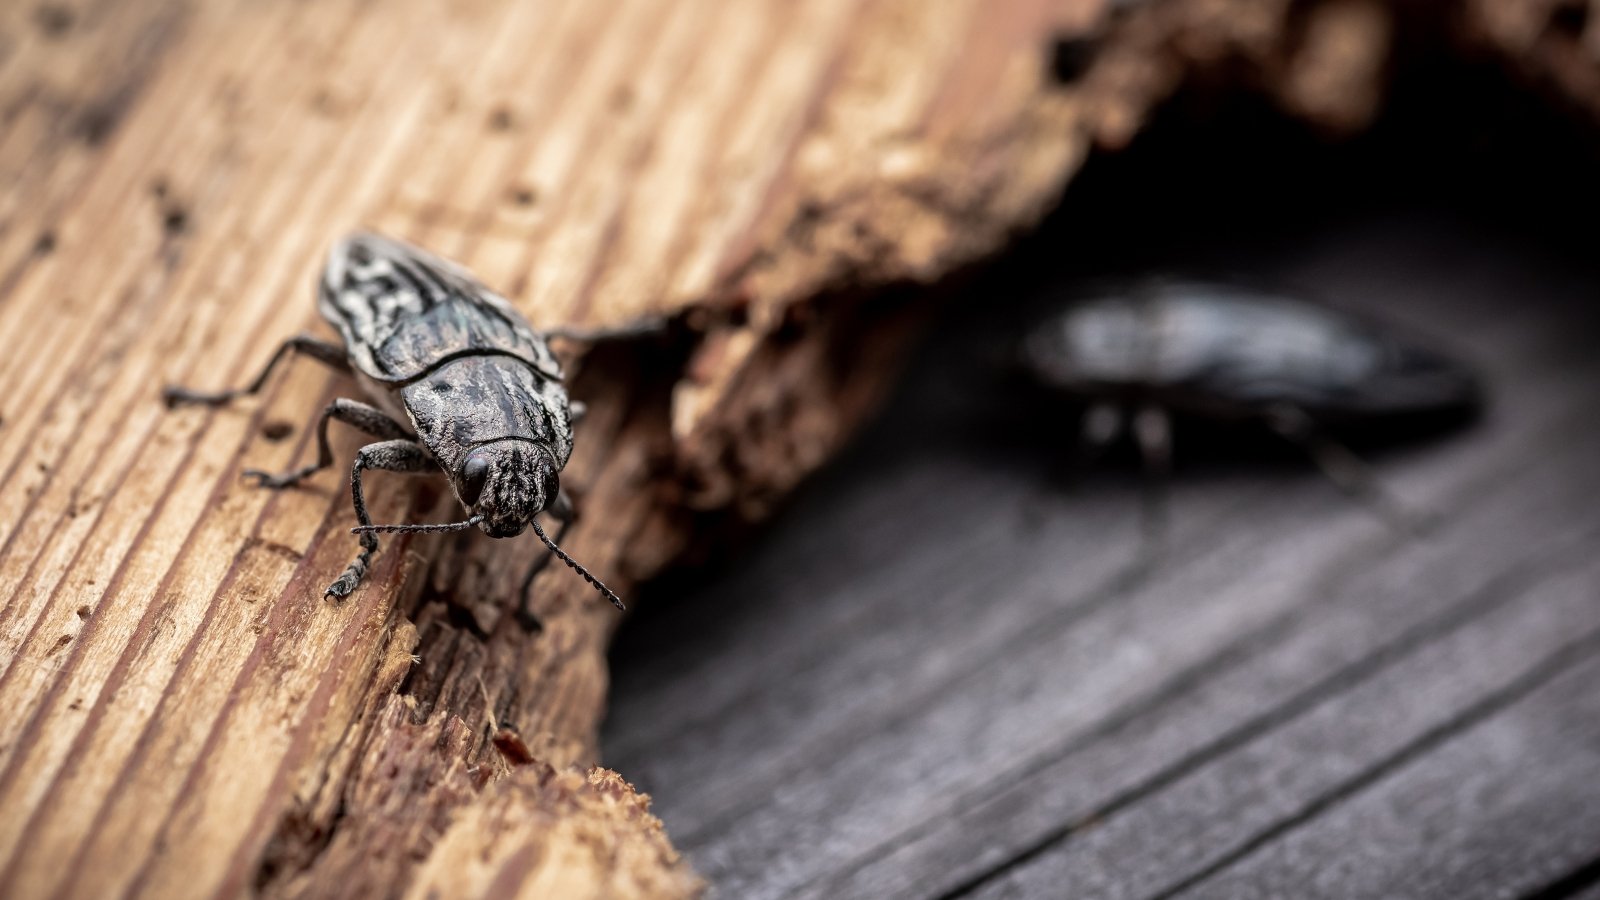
(184,712)
(1553,46)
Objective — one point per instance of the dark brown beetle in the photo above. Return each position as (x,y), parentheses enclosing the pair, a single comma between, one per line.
(1215,351)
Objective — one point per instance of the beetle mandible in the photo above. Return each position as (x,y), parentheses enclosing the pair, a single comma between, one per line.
(1222,352)
(459,383)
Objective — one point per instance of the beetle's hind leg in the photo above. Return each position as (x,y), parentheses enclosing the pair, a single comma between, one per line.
(1345,469)
(1098,428)
(398,455)
(566,513)
(643,327)
(320,350)
(369,419)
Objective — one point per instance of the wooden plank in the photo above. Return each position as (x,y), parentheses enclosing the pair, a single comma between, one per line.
(1506,807)
(1220,816)
(945,696)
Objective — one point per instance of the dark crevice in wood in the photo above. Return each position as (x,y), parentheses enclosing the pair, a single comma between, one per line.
(53,19)
(1072,55)
(1570,18)
(296,844)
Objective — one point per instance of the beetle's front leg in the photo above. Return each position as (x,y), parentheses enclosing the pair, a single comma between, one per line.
(566,513)
(369,419)
(394,456)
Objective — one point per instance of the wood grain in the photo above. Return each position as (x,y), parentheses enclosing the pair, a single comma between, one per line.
(184,712)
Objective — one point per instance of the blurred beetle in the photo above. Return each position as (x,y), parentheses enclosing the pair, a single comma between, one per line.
(1226,353)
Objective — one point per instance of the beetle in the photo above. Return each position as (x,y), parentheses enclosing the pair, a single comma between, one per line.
(459,383)
(1148,350)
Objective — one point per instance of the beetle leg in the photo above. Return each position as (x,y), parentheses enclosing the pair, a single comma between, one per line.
(566,513)
(646,326)
(369,419)
(563,509)
(1342,467)
(1152,429)
(331,354)
(395,456)
(1097,430)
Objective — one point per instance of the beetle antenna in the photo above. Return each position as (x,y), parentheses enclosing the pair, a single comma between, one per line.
(573,564)
(416,529)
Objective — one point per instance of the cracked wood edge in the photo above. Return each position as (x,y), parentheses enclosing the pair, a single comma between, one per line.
(185,714)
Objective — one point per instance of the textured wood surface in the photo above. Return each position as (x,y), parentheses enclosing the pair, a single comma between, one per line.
(184,713)
(963,681)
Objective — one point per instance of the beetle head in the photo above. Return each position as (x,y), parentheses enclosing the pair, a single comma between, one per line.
(506,482)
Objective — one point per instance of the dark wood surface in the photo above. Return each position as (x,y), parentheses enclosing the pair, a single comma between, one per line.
(939,674)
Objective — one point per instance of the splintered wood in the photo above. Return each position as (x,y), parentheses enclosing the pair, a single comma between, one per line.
(184,713)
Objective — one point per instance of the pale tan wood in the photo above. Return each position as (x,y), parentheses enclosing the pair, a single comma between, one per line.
(185,714)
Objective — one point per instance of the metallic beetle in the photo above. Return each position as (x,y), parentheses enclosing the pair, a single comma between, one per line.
(459,383)
(1222,352)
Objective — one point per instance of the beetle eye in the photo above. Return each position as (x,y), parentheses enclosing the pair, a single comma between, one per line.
(474,472)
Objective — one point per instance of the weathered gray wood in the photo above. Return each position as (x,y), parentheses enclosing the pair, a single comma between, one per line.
(1501,810)
(1223,809)
(948,669)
